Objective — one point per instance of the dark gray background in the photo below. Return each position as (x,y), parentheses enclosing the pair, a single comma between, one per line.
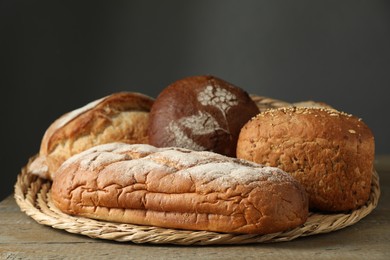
(57,56)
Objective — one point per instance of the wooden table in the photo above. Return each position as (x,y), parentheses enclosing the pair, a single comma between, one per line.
(22,238)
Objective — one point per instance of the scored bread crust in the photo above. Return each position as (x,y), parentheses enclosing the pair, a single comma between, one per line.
(178,188)
(121,116)
(329,152)
(202,113)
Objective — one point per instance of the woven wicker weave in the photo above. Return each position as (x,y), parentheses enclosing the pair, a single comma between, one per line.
(32,194)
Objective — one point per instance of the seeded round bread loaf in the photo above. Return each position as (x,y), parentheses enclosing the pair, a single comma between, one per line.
(329,152)
(202,113)
(178,188)
(118,117)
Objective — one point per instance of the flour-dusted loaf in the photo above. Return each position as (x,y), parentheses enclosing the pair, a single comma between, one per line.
(201,113)
(178,188)
(120,117)
(267,103)
(311,103)
(329,152)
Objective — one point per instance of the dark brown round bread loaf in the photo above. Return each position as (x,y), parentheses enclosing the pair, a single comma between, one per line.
(329,152)
(201,113)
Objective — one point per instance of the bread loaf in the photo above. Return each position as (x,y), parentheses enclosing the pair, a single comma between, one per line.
(329,152)
(201,113)
(121,117)
(311,103)
(178,188)
(267,103)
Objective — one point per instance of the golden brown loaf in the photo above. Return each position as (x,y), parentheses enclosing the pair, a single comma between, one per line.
(201,113)
(118,117)
(329,152)
(178,188)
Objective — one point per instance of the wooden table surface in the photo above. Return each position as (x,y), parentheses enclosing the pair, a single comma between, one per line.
(22,238)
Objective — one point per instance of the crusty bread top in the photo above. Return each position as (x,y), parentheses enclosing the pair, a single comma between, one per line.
(207,166)
(120,117)
(311,103)
(267,103)
(65,126)
(178,188)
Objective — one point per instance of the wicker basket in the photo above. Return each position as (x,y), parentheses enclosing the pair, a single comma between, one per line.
(32,194)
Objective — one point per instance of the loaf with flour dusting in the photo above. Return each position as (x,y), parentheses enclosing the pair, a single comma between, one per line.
(202,113)
(178,188)
(120,117)
(267,103)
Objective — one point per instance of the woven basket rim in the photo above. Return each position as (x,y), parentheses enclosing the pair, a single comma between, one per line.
(32,194)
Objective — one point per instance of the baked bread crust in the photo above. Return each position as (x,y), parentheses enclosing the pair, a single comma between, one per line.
(329,152)
(311,103)
(120,117)
(267,103)
(201,113)
(178,188)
